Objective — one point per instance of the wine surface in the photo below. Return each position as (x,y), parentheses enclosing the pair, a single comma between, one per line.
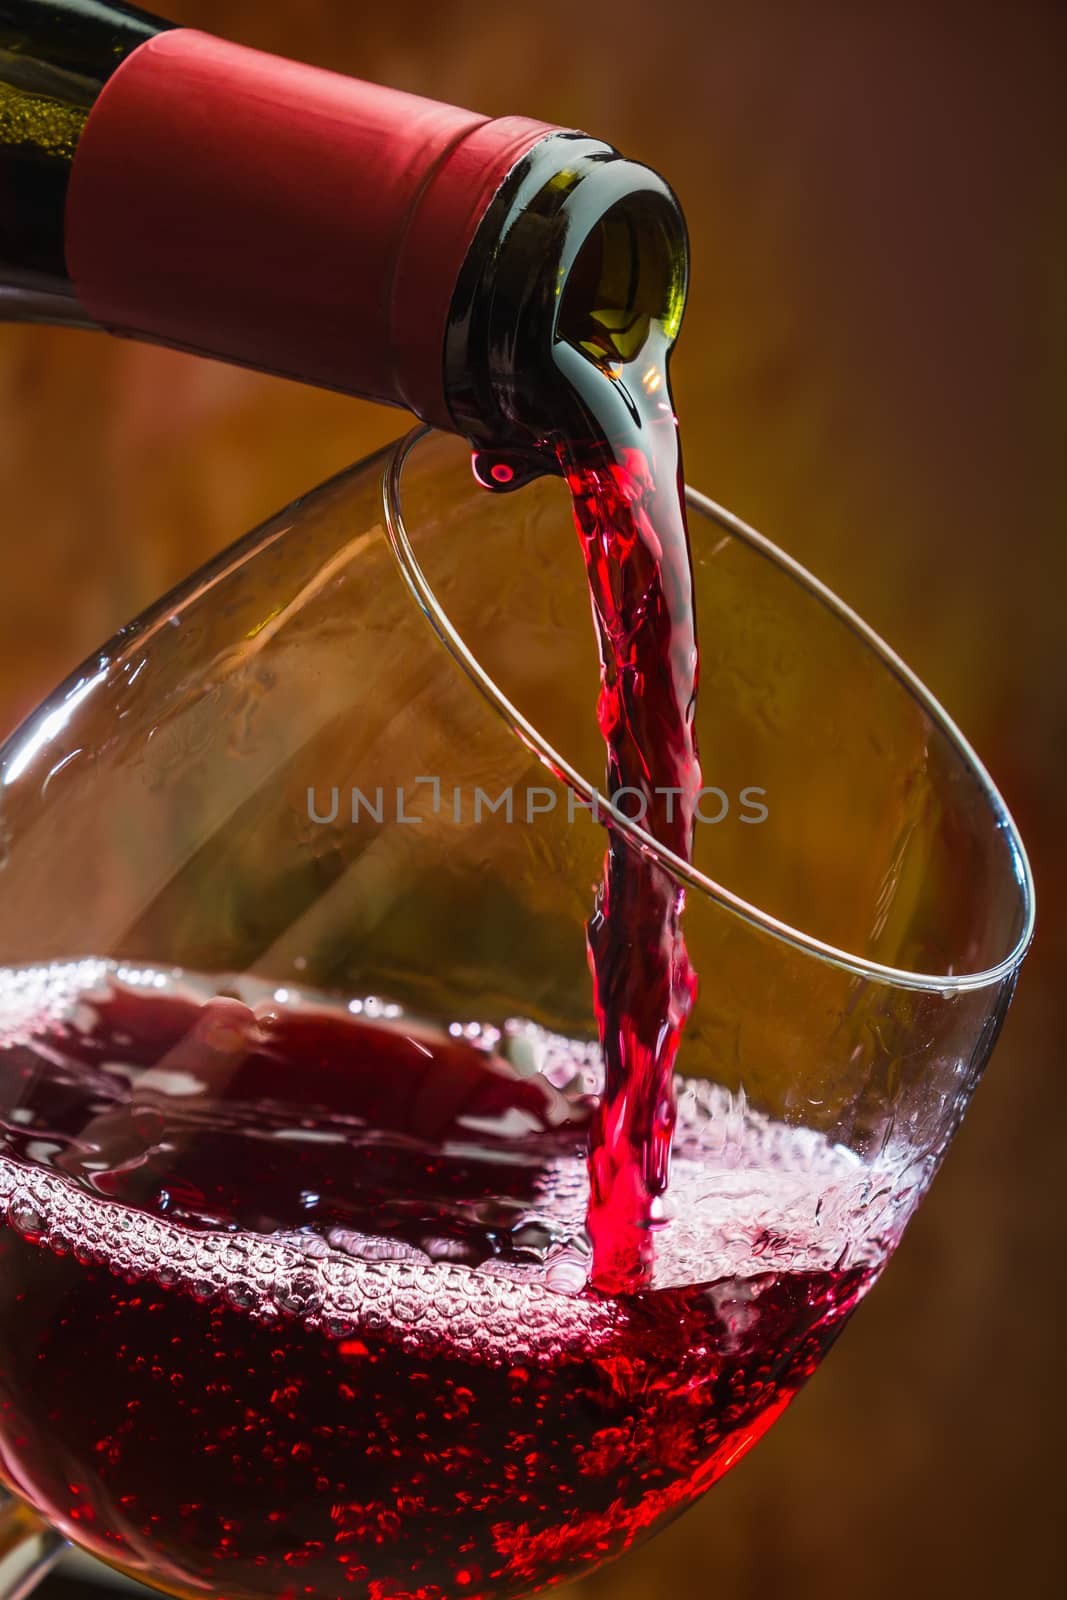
(295,1295)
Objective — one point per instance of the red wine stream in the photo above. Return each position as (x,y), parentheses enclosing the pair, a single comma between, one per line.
(626,485)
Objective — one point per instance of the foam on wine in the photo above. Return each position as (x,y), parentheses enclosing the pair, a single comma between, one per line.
(745,1188)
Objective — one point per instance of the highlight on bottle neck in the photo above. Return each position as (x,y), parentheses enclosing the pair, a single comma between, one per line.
(589,255)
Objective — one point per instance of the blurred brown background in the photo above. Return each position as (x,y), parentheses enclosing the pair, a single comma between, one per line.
(872,371)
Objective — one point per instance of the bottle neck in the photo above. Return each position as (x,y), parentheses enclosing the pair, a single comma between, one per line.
(158,182)
(282,217)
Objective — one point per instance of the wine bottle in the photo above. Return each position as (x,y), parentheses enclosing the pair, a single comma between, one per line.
(169,185)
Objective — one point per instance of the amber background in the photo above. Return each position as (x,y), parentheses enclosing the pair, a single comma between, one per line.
(871,371)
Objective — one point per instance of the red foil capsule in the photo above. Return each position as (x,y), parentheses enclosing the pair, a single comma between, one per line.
(283,217)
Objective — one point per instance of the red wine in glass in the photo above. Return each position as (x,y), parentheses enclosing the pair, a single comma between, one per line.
(294,1294)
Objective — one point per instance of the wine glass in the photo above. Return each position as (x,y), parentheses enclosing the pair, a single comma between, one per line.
(298,1049)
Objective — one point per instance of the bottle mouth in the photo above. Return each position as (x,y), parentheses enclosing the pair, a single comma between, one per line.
(580,246)
(627,278)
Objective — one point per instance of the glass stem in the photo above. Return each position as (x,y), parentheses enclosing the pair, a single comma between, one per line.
(29,1549)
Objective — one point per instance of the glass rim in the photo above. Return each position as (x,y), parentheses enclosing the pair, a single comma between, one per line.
(688,876)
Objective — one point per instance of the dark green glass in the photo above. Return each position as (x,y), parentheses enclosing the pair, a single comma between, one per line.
(55,57)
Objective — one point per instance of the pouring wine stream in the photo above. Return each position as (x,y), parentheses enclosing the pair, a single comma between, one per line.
(624,473)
